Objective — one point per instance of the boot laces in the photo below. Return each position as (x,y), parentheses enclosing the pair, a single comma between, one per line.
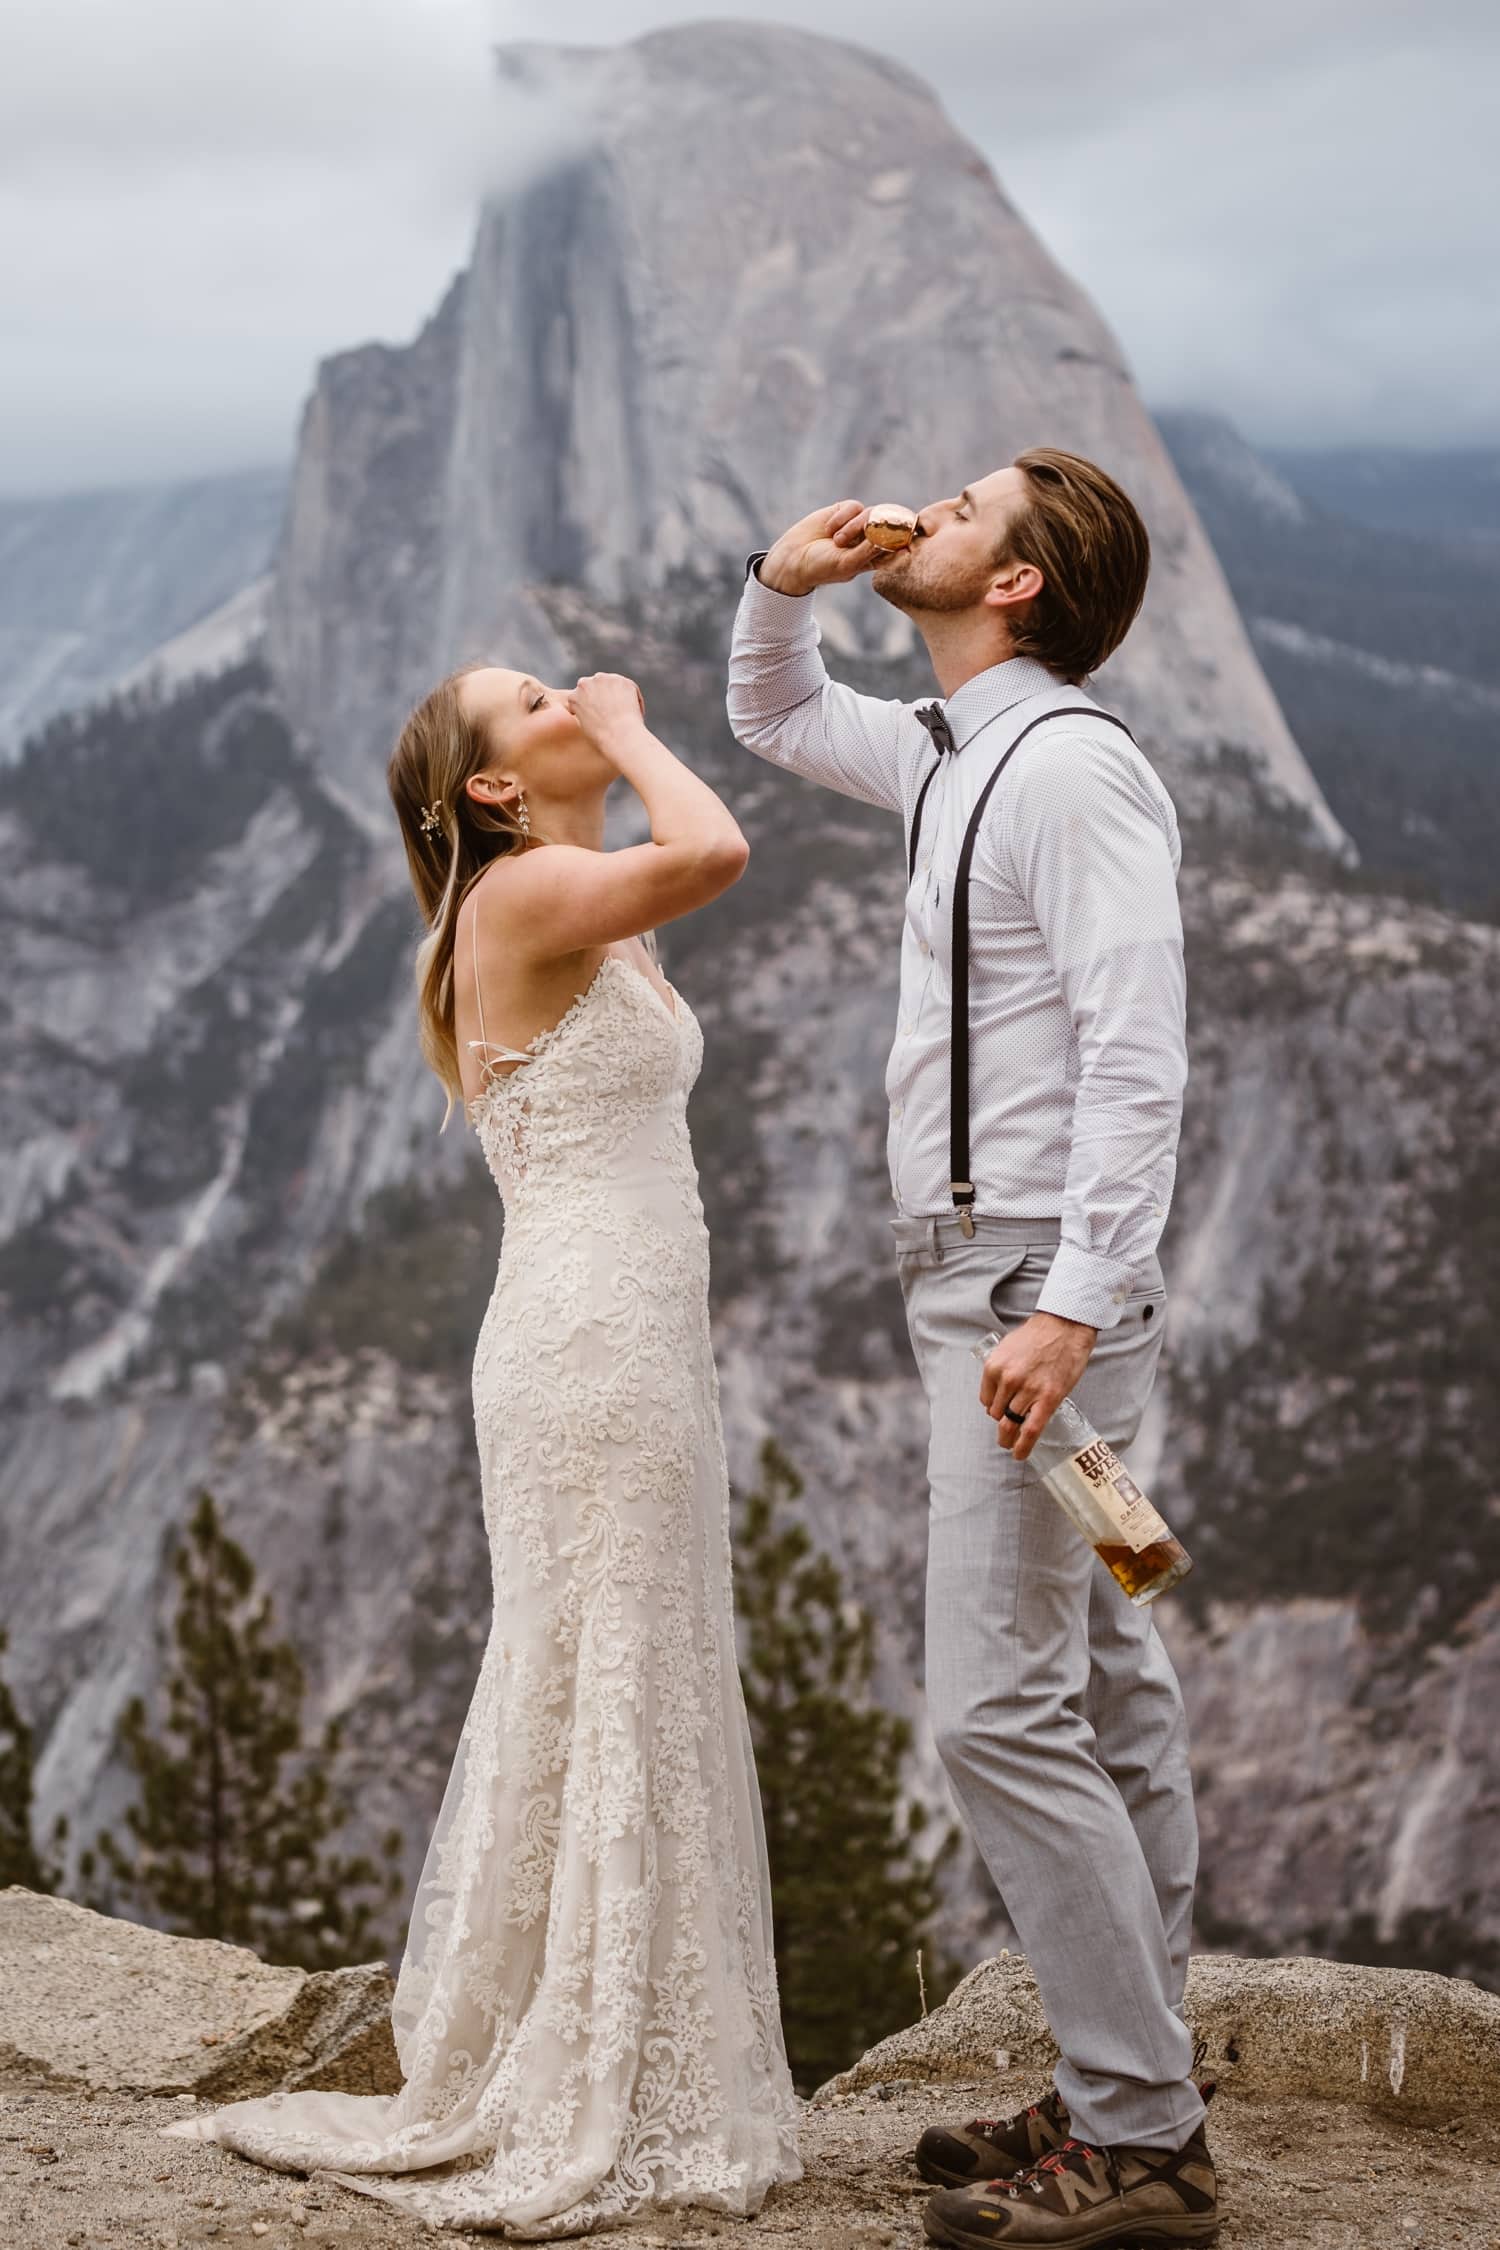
(1073,2156)
(1003,2124)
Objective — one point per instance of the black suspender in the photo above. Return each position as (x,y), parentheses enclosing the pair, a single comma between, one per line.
(961,1186)
(916,818)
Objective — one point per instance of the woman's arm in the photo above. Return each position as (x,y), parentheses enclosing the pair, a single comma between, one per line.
(567,898)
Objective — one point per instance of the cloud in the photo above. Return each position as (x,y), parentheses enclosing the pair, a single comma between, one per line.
(1306,256)
(1283,211)
(198,200)
(133,91)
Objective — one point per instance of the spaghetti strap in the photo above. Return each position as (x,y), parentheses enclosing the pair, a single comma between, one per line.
(509,1054)
(481,1045)
(481,1041)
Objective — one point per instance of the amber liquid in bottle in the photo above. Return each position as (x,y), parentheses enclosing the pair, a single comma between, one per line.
(1149,1573)
(1095,1490)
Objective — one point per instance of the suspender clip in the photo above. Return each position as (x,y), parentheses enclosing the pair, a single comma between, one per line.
(963,1196)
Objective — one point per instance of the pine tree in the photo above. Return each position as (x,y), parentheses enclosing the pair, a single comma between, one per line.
(232,1826)
(852,1897)
(19,1859)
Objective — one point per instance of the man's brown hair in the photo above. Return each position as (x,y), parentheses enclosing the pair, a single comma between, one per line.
(1085,537)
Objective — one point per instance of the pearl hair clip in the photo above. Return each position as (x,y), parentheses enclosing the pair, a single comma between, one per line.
(432,817)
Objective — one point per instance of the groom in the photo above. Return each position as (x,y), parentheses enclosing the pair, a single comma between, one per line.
(1035,1092)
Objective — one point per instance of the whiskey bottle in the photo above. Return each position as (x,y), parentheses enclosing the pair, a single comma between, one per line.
(1095,1490)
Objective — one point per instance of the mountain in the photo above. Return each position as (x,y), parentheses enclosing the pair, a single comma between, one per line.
(92,583)
(1450,494)
(236,1250)
(1381,646)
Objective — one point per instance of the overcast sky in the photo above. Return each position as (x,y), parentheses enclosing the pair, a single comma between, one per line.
(1290,211)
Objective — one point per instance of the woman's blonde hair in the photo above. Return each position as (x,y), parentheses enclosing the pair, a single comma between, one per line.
(450,839)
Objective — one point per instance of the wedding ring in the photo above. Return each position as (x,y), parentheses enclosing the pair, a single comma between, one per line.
(1010,1417)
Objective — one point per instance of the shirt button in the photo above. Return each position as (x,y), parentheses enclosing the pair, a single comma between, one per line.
(923,946)
(895,1109)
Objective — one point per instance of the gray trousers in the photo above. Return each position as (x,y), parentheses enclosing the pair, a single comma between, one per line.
(1055,1707)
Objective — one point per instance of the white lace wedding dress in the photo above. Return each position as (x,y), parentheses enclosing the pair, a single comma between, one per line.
(586,2014)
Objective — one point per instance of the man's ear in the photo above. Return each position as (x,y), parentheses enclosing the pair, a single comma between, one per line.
(1014,584)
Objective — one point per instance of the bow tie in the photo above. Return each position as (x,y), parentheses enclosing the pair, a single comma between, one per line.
(931,716)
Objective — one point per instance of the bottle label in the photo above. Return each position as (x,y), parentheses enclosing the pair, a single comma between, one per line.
(1119,1497)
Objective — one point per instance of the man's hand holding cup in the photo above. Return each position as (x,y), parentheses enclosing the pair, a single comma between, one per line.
(827,548)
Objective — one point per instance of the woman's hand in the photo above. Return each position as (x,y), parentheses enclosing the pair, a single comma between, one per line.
(574,896)
(607,704)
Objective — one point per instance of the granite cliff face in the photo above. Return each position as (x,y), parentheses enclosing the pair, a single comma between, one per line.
(236,1251)
(1380,644)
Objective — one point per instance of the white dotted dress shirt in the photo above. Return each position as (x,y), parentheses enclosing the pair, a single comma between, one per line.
(1077,1000)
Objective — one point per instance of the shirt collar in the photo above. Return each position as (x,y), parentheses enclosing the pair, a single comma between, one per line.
(989,693)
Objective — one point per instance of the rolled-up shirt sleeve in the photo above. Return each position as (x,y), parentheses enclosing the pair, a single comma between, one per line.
(784,707)
(1095,851)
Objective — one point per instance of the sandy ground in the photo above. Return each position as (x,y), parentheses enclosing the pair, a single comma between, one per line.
(87,2172)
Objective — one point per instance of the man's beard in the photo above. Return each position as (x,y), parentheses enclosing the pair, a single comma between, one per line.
(908,585)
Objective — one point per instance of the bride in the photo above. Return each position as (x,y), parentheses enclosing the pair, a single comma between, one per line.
(586,2013)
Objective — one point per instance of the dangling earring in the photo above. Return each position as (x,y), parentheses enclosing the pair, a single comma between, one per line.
(524,817)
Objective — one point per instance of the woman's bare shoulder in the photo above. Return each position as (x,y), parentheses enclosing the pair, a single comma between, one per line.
(519,888)
(514,900)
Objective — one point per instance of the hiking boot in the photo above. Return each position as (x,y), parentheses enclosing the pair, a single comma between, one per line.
(1081,2196)
(992,2148)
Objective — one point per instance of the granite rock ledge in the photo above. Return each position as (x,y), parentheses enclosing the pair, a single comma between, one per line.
(1401,2041)
(102,2005)
(99,2004)
(109,2031)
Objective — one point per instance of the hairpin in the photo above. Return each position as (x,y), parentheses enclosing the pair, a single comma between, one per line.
(432,817)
